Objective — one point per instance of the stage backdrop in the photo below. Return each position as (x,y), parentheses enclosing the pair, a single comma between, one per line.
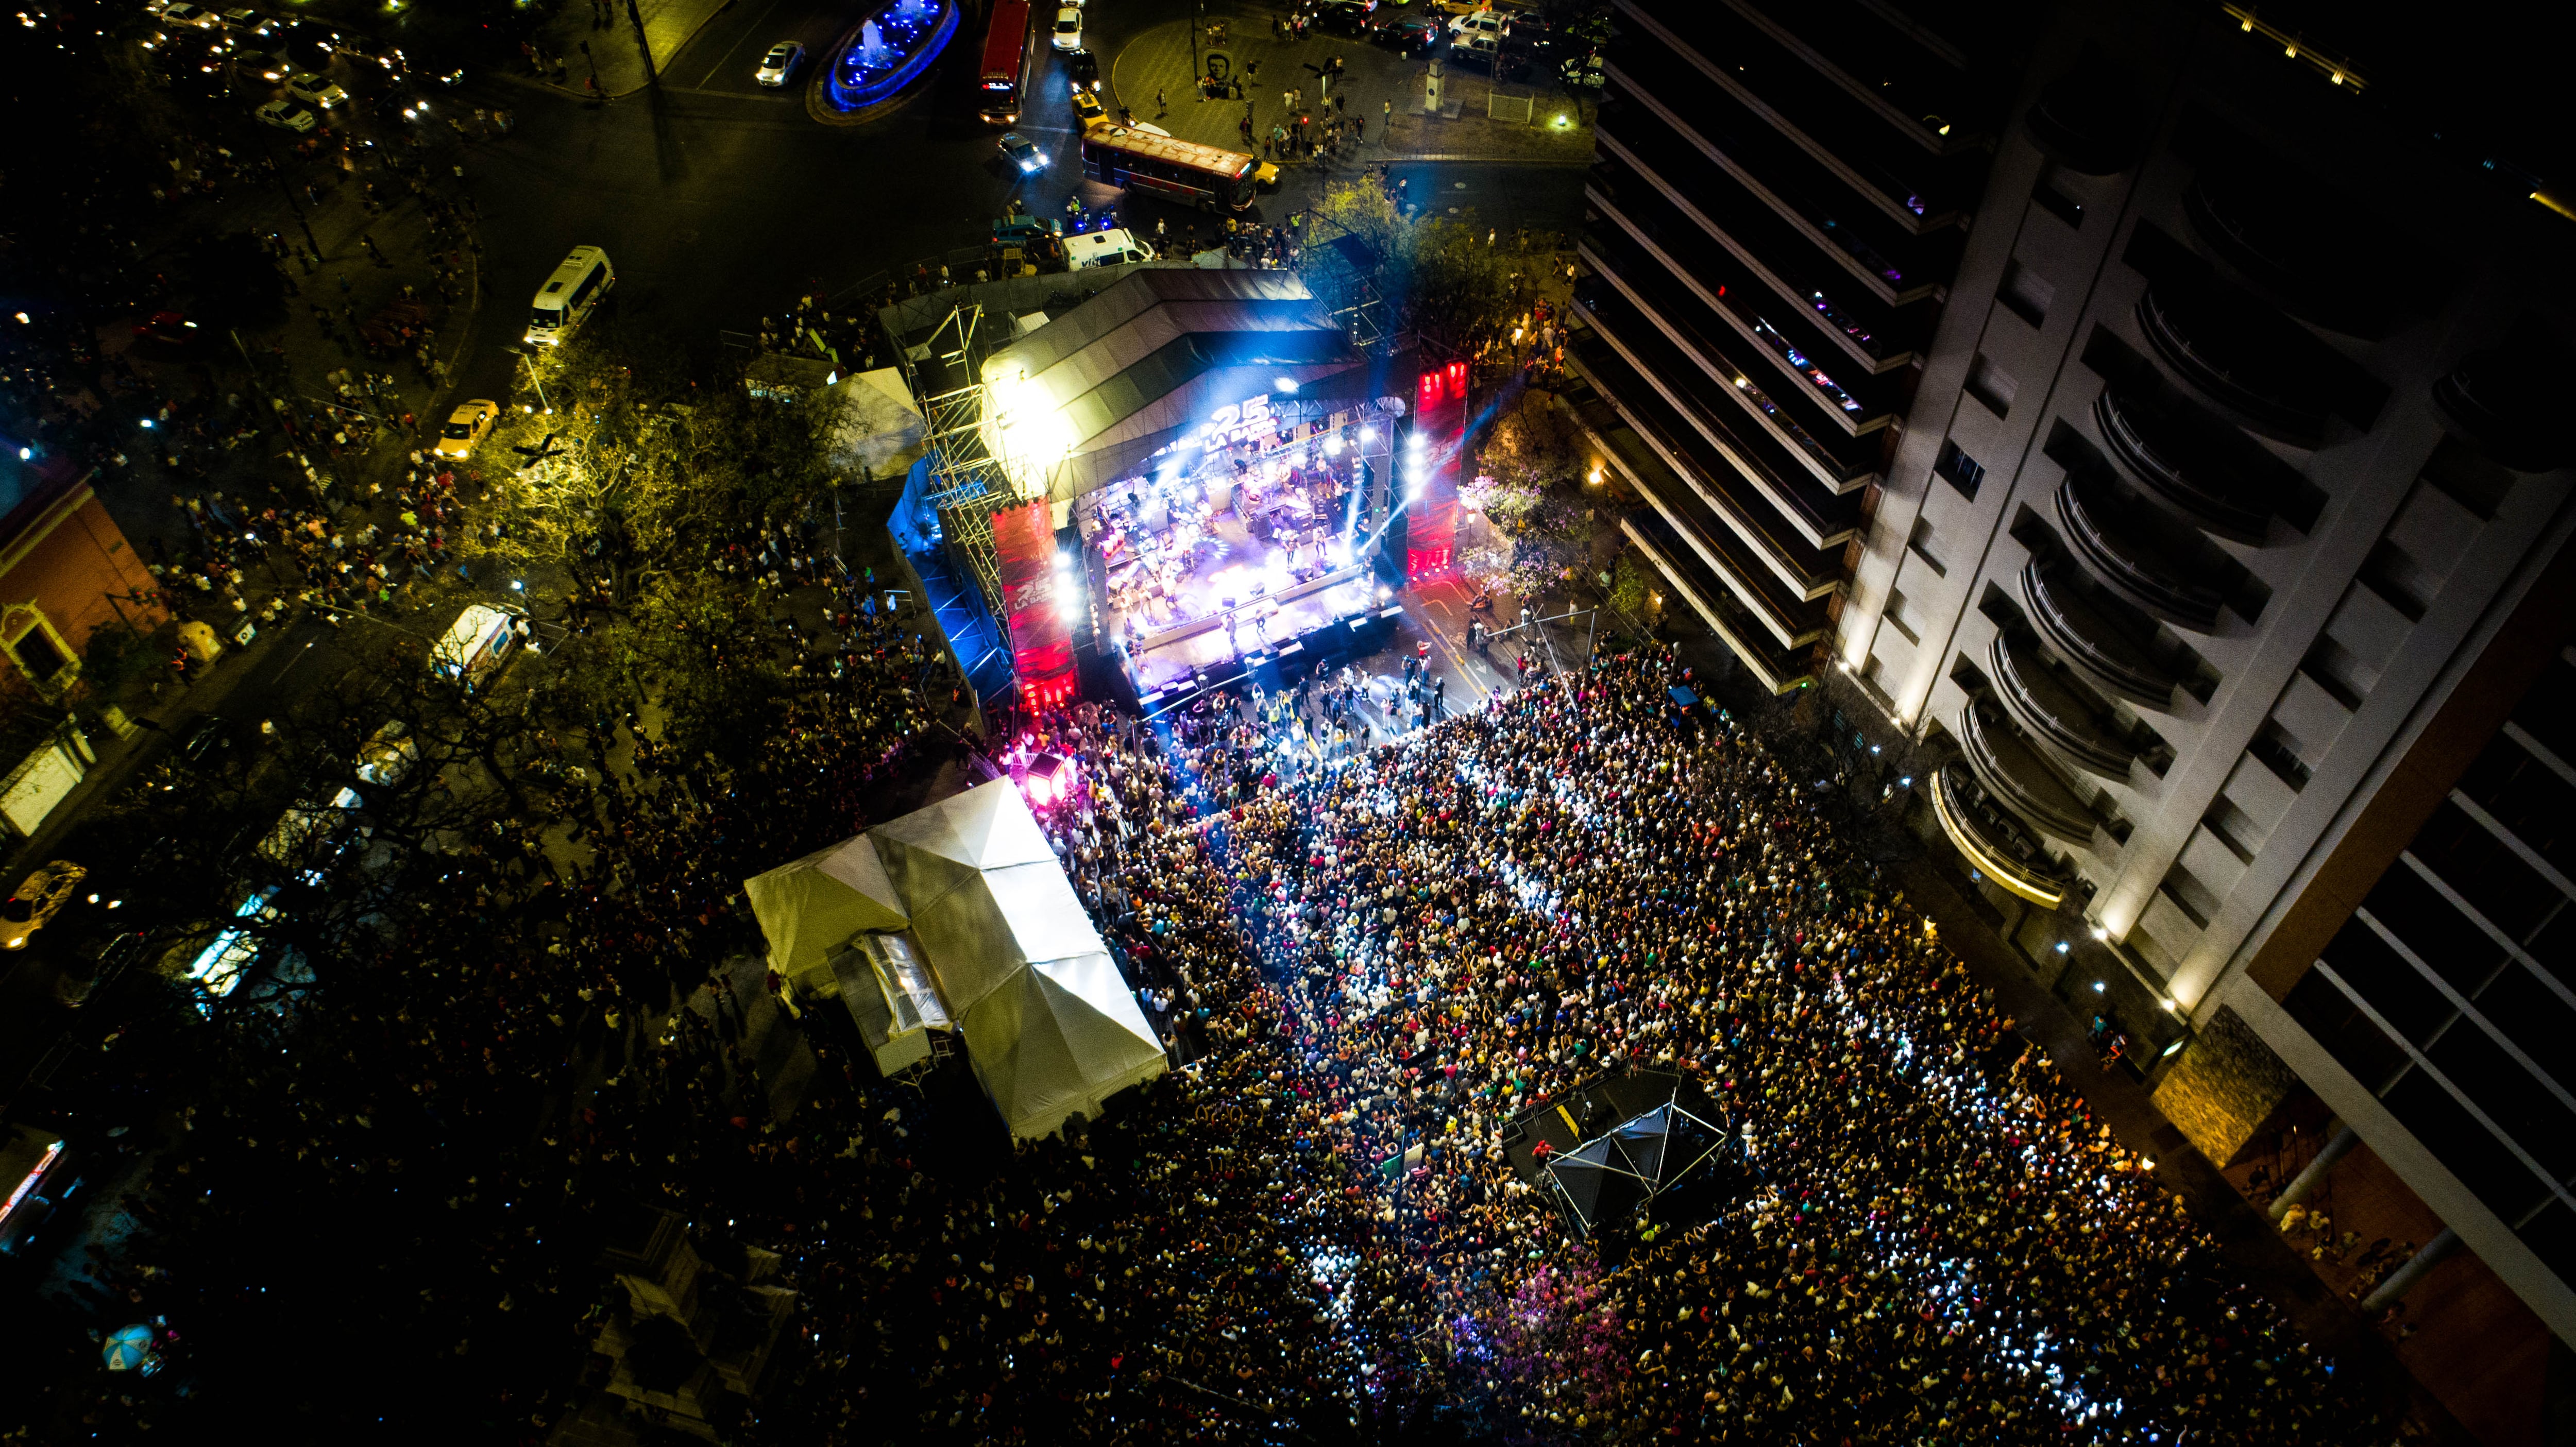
(1041,636)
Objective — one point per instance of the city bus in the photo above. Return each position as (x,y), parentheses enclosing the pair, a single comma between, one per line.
(1185,171)
(1006,62)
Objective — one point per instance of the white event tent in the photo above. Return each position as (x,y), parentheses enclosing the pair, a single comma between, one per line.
(969,887)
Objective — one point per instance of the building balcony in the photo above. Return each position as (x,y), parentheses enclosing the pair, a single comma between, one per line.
(1898,258)
(1891,171)
(2017,777)
(1924,90)
(2090,122)
(1657,448)
(1993,841)
(2185,471)
(2509,401)
(1693,583)
(1873,334)
(2099,651)
(2052,712)
(2232,350)
(1668,350)
(2302,246)
(1834,394)
(2136,570)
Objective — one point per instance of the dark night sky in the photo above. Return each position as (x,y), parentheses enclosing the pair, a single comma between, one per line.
(2488,78)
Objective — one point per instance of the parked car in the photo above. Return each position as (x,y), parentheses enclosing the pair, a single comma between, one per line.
(1020,230)
(1345,17)
(210,734)
(781,64)
(1404,34)
(289,115)
(315,90)
(245,22)
(466,426)
(1105,248)
(388,755)
(1068,28)
(186,14)
(44,891)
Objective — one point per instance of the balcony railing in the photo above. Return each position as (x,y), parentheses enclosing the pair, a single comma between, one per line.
(2159,451)
(1823,517)
(2092,645)
(2303,246)
(2053,713)
(1779,92)
(1993,841)
(2019,779)
(1780,175)
(1783,257)
(2509,402)
(2134,569)
(2224,345)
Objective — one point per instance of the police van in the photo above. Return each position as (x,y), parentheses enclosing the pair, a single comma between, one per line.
(569,295)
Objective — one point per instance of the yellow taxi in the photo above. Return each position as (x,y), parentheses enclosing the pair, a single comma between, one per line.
(467,426)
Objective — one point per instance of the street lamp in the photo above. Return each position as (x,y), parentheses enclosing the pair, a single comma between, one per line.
(529,355)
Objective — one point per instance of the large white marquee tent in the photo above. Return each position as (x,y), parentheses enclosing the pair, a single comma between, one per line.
(969,888)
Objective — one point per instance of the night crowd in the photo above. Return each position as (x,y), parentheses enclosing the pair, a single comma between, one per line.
(1365,967)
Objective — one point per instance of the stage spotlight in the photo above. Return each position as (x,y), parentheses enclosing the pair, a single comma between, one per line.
(1332,447)
(1284,384)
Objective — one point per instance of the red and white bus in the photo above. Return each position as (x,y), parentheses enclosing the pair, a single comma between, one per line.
(1185,171)
(1007,50)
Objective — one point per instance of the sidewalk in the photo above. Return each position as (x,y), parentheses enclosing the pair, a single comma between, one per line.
(612,57)
(1159,60)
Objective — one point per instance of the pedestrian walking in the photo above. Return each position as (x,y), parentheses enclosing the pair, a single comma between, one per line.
(1162,104)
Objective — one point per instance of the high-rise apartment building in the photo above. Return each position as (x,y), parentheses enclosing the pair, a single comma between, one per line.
(2159,427)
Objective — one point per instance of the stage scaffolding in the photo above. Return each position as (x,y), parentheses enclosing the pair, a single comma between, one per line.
(967,482)
(1341,270)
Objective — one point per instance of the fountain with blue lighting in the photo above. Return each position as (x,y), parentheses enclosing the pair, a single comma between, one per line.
(893,48)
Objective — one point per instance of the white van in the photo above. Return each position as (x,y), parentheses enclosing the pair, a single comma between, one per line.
(1105,248)
(569,295)
(477,644)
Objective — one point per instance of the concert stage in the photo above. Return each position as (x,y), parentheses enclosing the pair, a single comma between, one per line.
(1249,542)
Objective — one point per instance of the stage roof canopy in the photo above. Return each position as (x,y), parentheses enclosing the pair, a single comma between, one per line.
(1050,1025)
(1131,369)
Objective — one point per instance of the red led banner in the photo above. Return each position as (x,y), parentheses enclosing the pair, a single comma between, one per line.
(1431,512)
(1041,638)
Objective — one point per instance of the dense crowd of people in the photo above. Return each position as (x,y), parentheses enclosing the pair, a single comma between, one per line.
(1366,966)
(1938,1237)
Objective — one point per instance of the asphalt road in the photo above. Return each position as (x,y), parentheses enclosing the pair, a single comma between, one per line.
(720,202)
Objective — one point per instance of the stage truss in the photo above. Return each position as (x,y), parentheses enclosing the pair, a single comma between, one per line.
(967,481)
(1341,270)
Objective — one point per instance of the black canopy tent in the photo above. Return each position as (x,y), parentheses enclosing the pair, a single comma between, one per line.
(1665,1138)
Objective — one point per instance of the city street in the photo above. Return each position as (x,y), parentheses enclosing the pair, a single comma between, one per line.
(719,202)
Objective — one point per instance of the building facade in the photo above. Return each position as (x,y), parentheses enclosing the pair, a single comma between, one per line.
(2163,446)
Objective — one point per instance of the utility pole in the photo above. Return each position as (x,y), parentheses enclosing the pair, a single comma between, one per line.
(643,45)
